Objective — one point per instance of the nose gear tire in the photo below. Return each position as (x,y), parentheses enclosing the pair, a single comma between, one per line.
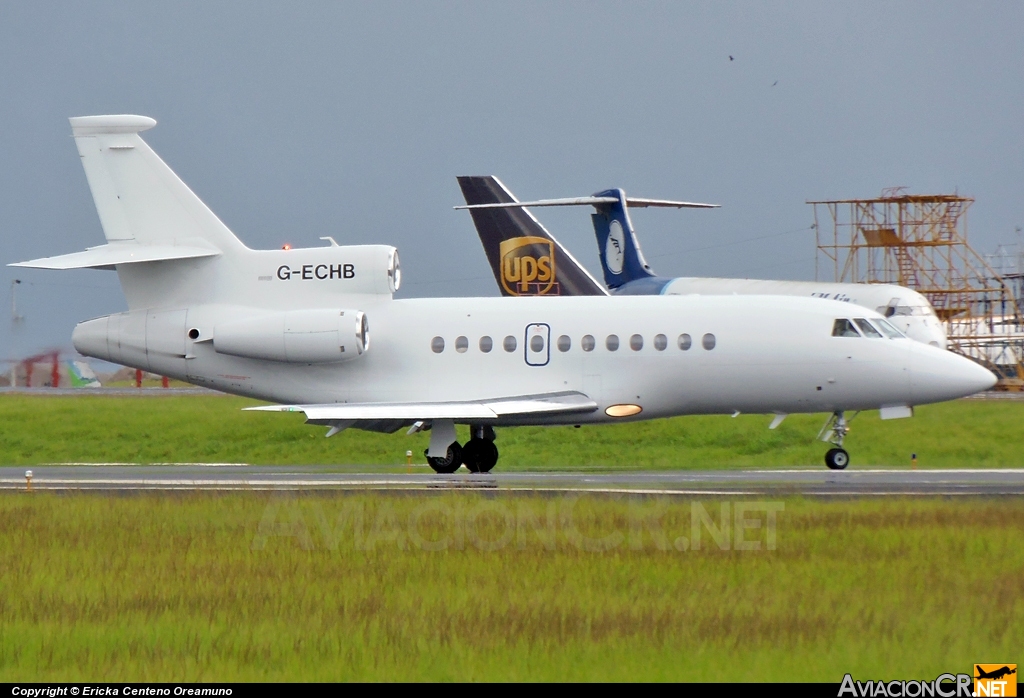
(837,459)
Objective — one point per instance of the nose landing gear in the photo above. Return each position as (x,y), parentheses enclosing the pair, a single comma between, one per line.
(837,458)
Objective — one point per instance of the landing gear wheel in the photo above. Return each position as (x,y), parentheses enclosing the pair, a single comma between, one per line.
(837,459)
(450,463)
(480,455)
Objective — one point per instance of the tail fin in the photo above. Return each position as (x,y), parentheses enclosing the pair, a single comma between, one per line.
(171,252)
(499,217)
(138,197)
(525,258)
(621,257)
(149,217)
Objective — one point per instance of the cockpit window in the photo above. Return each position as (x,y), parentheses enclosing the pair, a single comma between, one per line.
(906,310)
(887,329)
(867,329)
(844,328)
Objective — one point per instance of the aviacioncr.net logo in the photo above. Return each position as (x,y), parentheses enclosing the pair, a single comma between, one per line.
(528,266)
(995,680)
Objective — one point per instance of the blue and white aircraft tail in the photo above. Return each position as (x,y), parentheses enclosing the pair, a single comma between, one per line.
(621,258)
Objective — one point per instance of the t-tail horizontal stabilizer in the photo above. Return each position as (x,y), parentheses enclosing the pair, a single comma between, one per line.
(597,199)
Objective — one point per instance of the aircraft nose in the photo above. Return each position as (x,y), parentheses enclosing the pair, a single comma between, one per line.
(938,375)
(926,330)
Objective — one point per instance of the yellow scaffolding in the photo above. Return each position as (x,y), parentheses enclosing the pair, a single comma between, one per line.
(920,241)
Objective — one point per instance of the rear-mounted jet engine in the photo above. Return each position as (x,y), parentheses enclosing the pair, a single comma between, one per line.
(296,336)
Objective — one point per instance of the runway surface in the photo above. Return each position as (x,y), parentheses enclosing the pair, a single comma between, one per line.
(809,481)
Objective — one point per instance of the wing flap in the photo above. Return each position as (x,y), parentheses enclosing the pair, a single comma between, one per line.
(553,403)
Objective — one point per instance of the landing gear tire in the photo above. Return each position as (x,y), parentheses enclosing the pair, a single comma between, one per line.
(480,455)
(450,463)
(837,459)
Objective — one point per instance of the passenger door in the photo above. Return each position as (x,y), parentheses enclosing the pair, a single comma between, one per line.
(538,344)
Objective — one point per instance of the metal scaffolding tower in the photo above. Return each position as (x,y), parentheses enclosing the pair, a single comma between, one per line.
(920,241)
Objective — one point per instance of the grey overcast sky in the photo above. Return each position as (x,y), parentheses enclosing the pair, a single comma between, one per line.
(301,119)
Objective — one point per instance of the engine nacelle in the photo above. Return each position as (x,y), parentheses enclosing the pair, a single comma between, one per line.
(296,336)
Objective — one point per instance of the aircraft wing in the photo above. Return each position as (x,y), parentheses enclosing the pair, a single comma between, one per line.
(496,408)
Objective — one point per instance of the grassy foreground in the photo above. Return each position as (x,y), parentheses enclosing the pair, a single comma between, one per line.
(461,586)
(55,429)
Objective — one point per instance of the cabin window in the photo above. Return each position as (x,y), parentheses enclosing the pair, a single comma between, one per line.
(509,344)
(685,342)
(612,342)
(636,342)
(588,343)
(437,345)
(708,341)
(867,328)
(660,342)
(844,328)
(564,343)
(486,344)
(461,344)
(536,343)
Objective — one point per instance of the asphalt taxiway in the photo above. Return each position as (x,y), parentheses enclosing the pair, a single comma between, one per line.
(816,481)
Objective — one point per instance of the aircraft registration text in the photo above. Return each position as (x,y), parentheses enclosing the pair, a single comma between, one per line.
(317,271)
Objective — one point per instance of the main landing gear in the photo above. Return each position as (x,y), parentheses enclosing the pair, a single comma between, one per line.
(450,463)
(837,458)
(479,454)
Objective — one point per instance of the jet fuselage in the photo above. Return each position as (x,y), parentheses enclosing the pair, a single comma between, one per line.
(767,354)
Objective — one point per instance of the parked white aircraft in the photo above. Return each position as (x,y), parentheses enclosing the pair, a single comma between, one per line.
(293,327)
(503,225)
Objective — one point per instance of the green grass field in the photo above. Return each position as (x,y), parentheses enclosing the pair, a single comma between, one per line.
(250,586)
(54,429)
(257,586)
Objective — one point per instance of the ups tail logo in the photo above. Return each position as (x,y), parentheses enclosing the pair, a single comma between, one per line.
(528,266)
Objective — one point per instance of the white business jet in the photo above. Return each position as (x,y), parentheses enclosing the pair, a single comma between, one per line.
(294,327)
(503,224)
